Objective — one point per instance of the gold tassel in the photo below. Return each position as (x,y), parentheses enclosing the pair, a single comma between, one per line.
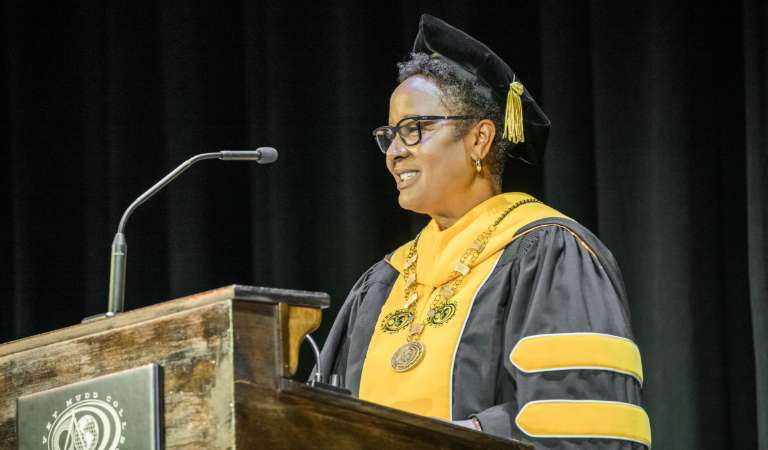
(513,118)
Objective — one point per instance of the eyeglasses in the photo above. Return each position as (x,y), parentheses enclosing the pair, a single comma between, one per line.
(409,129)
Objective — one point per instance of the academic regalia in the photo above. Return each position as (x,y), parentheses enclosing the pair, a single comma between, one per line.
(536,344)
(545,348)
(525,124)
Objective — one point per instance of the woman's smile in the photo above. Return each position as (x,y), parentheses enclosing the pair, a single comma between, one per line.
(406,177)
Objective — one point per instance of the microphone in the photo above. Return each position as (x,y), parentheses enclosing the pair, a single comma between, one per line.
(262,155)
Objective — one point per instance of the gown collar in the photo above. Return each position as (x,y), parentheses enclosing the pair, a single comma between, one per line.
(440,250)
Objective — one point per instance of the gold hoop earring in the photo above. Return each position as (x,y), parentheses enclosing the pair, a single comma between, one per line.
(478,165)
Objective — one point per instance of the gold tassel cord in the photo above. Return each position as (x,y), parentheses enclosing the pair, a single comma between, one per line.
(513,118)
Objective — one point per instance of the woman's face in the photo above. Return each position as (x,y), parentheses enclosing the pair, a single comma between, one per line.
(433,175)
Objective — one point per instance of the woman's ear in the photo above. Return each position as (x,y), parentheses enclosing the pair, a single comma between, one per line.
(480,139)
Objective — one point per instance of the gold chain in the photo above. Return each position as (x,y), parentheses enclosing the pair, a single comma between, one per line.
(442,308)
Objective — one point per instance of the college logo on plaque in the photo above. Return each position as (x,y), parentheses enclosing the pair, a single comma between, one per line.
(86,422)
(113,412)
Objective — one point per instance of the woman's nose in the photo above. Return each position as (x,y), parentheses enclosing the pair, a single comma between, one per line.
(397,149)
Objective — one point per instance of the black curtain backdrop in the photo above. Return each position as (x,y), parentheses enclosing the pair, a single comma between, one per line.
(659,144)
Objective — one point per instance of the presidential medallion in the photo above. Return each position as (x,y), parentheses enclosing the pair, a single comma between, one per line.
(407,356)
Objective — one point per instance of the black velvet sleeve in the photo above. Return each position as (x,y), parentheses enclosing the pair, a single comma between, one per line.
(344,350)
(559,284)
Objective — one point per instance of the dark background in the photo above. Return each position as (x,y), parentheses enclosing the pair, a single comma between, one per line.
(658,144)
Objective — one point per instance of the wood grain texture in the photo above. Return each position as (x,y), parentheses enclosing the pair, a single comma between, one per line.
(250,294)
(223,354)
(292,297)
(297,322)
(193,347)
(299,416)
(257,352)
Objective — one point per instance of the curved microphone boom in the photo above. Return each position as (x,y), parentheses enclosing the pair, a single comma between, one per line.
(262,155)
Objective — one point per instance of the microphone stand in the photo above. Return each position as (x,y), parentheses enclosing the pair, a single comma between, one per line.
(119,244)
(263,155)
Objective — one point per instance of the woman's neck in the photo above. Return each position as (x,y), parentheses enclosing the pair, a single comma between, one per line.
(456,209)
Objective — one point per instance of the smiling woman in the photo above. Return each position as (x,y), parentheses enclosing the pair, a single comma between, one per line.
(502,314)
(431,174)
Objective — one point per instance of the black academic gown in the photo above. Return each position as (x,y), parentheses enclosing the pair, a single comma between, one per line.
(544,282)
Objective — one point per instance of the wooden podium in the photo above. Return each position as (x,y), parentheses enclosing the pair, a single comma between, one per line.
(227,356)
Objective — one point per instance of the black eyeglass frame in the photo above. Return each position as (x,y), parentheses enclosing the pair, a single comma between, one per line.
(394,131)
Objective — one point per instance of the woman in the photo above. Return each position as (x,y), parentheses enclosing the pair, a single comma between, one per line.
(502,314)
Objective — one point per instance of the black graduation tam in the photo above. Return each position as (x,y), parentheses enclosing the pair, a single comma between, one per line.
(525,124)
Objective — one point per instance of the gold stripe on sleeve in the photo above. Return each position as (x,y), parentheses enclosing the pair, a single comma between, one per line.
(564,351)
(585,419)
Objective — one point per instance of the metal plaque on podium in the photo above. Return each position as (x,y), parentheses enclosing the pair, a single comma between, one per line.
(117,411)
